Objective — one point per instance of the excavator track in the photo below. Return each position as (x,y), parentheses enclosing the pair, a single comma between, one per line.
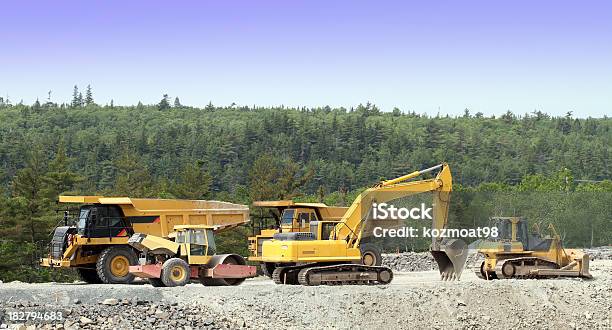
(344,274)
(287,274)
(524,267)
(480,273)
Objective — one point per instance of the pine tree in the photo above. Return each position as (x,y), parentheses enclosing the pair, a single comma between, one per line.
(132,176)
(164,104)
(80,99)
(28,186)
(177,102)
(36,105)
(75,97)
(89,96)
(59,178)
(194,182)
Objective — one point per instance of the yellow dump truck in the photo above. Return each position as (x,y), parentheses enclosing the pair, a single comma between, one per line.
(95,242)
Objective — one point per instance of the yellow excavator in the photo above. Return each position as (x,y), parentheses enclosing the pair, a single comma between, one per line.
(290,217)
(336,256)
(516,253)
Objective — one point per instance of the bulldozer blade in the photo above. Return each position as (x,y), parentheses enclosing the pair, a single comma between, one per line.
(451,258)
(584,267)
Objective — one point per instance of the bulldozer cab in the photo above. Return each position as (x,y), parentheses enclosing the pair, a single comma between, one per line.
(197,242)
(511,229)
(515,229)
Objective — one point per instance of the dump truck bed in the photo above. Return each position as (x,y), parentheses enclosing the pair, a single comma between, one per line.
(159,216)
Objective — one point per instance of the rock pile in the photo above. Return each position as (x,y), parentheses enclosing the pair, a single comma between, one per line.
(410,261)
(600,253)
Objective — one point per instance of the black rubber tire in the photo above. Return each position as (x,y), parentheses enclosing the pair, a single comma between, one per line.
(156,282)
(103,265)
(167,272)
(370,251)
(267,268)
(89,275)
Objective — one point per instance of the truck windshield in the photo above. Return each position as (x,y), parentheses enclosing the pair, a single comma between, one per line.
(212,248)
(288,217)
(180,237)
(82,220)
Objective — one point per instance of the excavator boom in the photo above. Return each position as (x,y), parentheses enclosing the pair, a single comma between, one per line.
(450,254)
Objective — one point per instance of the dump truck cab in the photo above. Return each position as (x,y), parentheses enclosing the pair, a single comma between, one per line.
(297,218)
(95,240)
(95,221)
(192,255)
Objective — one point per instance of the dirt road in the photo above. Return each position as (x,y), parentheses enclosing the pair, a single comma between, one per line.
(413,300)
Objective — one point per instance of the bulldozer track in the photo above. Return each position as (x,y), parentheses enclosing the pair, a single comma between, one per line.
(520,271)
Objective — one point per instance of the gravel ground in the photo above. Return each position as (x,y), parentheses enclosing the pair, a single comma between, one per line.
(413,300)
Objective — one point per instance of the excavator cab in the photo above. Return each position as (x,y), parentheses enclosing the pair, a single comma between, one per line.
(322,230)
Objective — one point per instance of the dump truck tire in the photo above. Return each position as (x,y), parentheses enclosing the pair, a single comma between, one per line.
(89,275)
(175,272)
(113,265)
(370,255)
(156,282)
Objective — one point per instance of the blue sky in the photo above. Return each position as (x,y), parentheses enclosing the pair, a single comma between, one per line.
(424,56)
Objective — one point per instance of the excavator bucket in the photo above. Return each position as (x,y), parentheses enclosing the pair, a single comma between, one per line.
(451,258)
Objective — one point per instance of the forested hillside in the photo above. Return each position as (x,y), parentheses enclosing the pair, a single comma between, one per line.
(243,153)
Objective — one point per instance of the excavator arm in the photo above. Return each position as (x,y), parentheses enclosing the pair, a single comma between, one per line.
(449,254)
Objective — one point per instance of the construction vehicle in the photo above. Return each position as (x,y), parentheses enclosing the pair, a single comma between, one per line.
(290,217)
(192,255)
(318,257)
(95,242)
(516,253)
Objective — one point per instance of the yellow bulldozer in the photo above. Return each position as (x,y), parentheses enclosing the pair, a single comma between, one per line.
(336,256)
(192,255)
(516,253)
(95,240)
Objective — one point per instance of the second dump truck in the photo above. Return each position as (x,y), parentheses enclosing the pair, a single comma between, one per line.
(95,242)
